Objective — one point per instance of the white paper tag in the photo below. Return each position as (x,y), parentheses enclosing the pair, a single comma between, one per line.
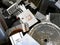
(27,17)
(58,4)
(16,38)
(27,40)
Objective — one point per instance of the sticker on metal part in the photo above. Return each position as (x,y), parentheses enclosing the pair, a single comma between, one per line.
(27,17)
(28,40)
(15,38)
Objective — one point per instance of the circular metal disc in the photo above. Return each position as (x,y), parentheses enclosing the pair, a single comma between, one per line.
(46,34)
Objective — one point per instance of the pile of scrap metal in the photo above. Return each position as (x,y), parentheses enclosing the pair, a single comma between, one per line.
(29,22)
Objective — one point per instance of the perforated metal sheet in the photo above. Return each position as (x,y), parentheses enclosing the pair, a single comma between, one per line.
(46,33)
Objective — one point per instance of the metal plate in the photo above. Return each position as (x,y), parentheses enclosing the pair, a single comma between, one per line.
(46,34)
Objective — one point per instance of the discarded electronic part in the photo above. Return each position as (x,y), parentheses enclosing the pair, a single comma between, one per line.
(29,39)
(46,33)
(16,38)
(27,17)
(12,8)
(15,8)
(22,40)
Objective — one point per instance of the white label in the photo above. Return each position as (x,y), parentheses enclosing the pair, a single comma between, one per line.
(15,38)
(57,4)
(27,40)
(27,17)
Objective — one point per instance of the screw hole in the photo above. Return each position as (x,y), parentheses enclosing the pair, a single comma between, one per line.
(45,40)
